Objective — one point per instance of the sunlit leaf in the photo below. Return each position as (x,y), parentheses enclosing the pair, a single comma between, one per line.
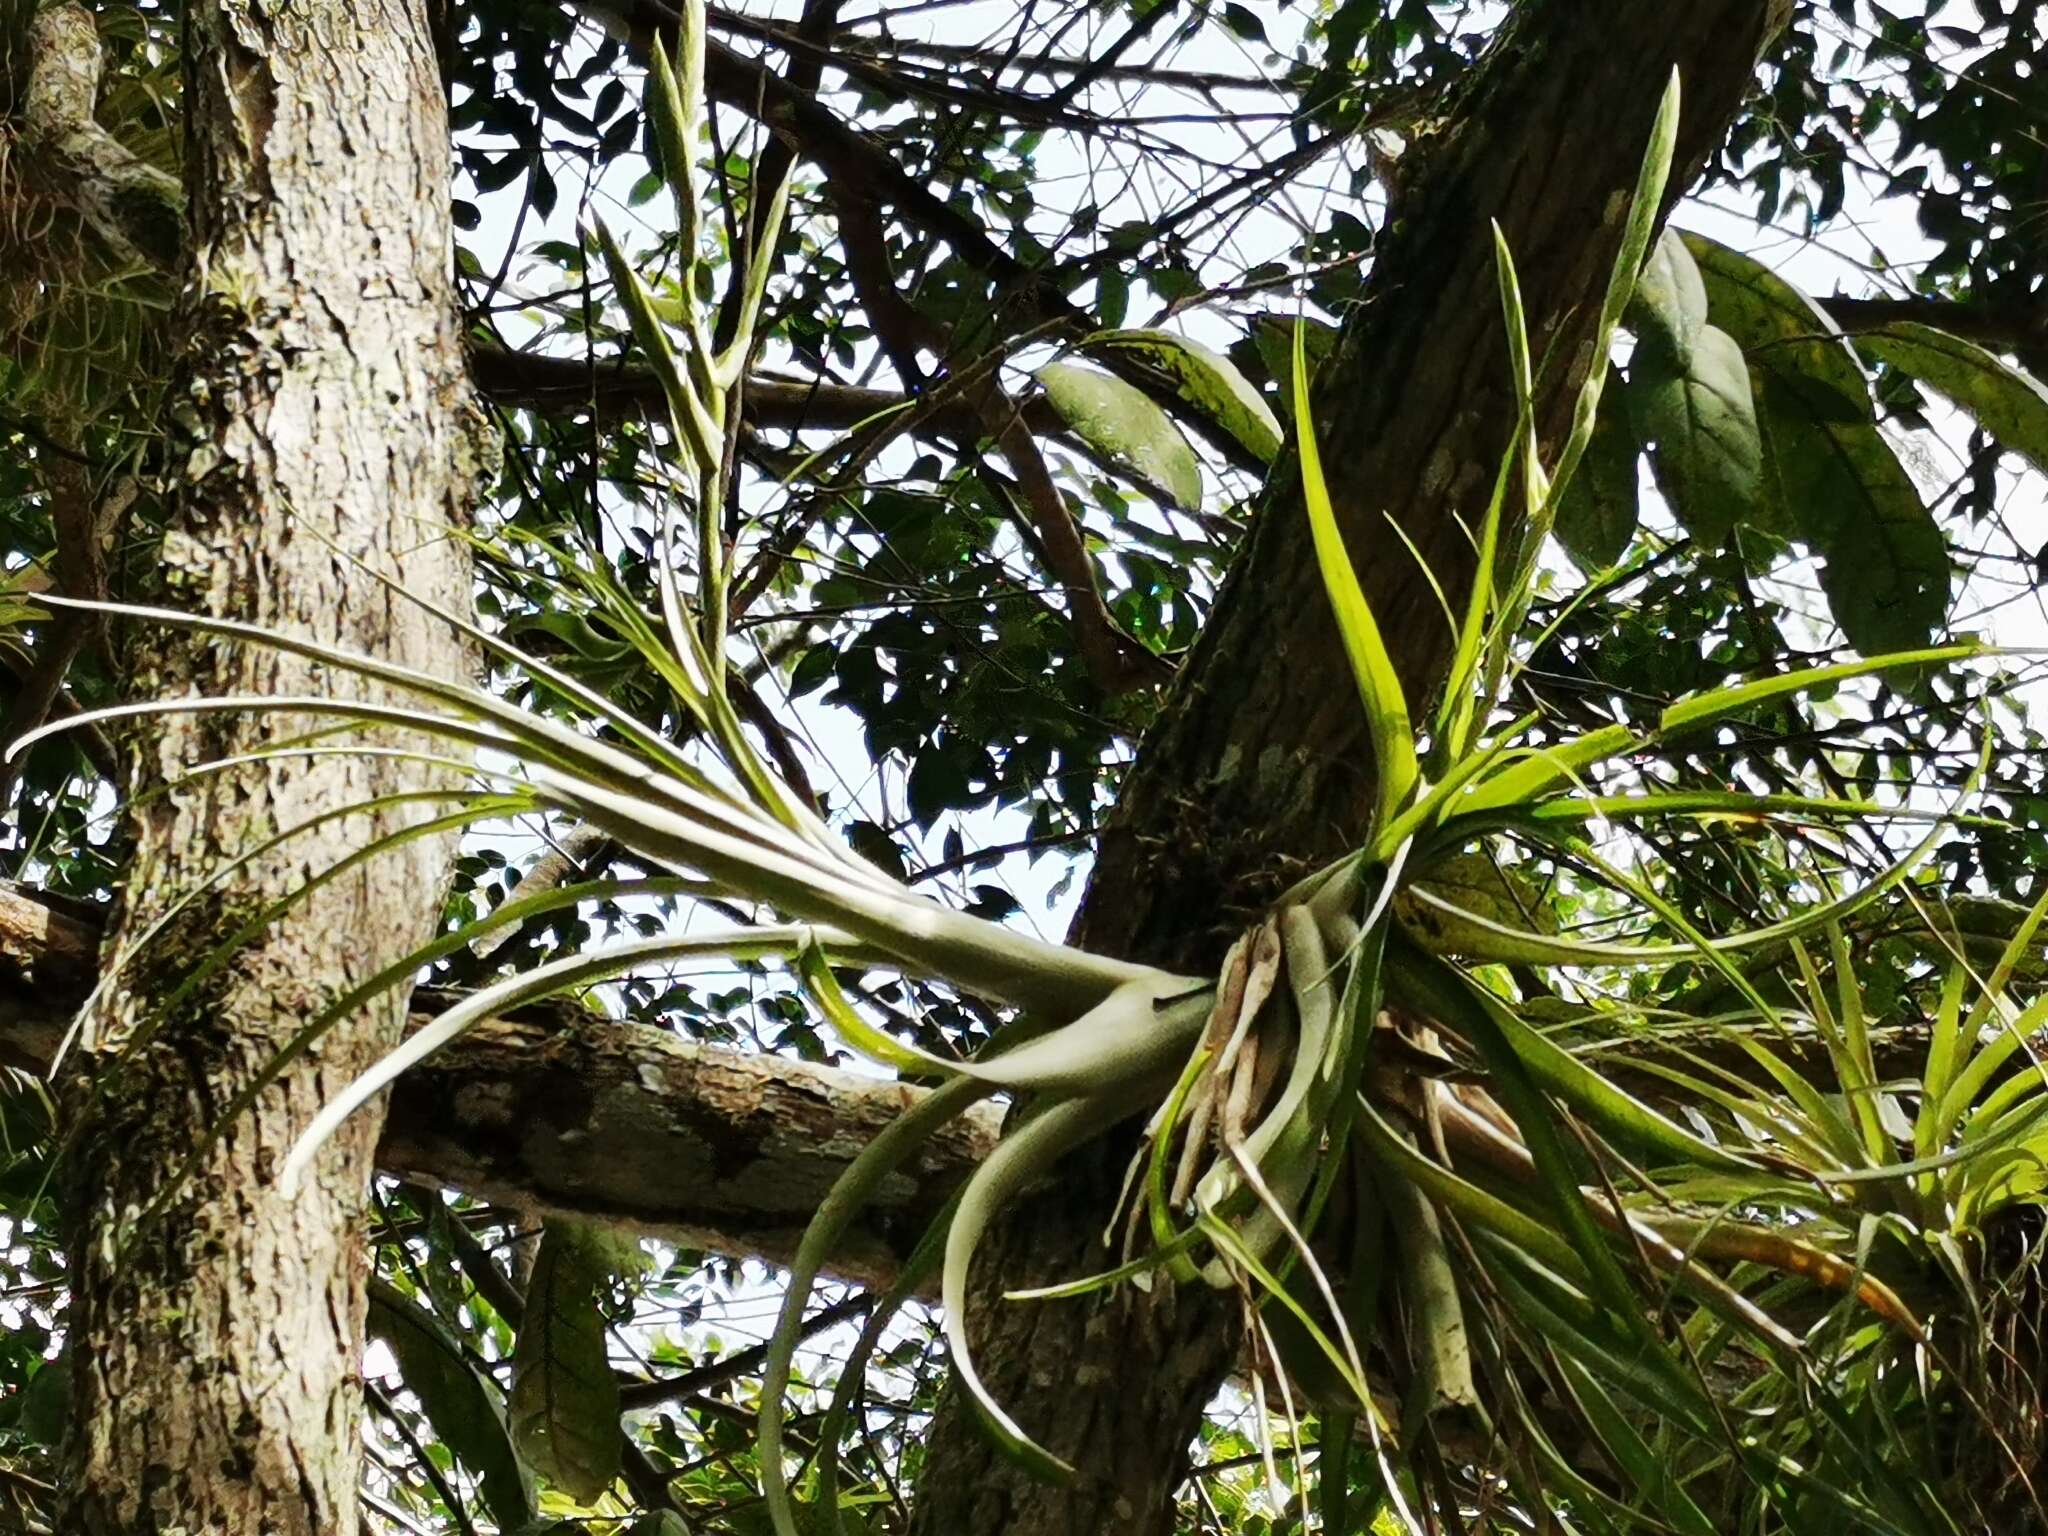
(2010,404)
(1669,309)
(1697,414)
(1208,381)
(1126,425)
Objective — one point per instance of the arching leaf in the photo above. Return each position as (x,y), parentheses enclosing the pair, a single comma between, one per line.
(1122,422)
(2009,404)
(1208,381)
(565,1400)
(1782,330)
(462,1405)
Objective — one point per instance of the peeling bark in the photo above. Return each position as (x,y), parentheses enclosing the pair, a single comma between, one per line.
(318,387)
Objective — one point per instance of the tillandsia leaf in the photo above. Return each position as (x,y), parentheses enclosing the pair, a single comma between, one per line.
(1294,1126)
(695,425)
(1158,1202)
(1991,995)
(1379,685)
(1650,1473)
(1529,776)
(2009,1035)
(848,1196)
(1743,1242)
(922,935)
(1438,1344)
(1573,1324)
(1535,483)
(675,821)
(1461,706)
(673,110)
(543,981)
(1338,1354)
(1645,204)
(1942,1060)
(1436,991)
(527,734)
(1470,1204)
(731,365)
(1616,1114)
(911,1279)
(1018,1160)
(1597,516)
(137,943)
(1140,1030)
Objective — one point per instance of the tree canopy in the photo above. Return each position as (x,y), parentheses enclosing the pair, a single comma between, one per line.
(1584,1057)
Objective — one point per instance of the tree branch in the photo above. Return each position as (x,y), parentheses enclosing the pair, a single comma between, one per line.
(542,382)
(135,209)
(2003,325)
(564,1114)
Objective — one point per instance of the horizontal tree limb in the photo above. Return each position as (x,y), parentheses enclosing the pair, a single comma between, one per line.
(567,1114)
(542,382)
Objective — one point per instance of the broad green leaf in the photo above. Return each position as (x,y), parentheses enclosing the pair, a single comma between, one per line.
(461,1404)
(1120,421)
(1701,423)
(565,1400)
(1208,381)
(1783,330)
(1669,309)
(2009,404)
(1598,512)
(1884,562)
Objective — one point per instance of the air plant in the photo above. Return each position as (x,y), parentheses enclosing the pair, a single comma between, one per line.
(1571,1250)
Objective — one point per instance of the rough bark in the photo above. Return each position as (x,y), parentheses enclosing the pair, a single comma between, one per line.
(318,395)
(1260,768)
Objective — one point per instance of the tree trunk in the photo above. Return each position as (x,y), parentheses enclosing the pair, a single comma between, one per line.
(1261,769)
(319,402)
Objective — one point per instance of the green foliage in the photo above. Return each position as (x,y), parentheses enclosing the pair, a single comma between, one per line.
(1785,1159)
(564,1407)
(1207,381)
(1120,421)
(465,1408)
